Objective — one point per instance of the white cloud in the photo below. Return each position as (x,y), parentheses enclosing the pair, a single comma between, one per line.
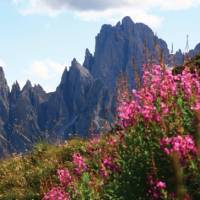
(106,10)
(46,69)
(45,72)
(88,5)
(179,4)
(28,7)
(112,16)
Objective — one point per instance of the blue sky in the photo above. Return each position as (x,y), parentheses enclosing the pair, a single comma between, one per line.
(38,38)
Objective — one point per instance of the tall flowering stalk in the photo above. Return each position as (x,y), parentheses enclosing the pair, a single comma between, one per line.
(181,145)
(168,101)
(154,152)
(160,95)
(156,188)
(64,177)
(80,165)
(56,193)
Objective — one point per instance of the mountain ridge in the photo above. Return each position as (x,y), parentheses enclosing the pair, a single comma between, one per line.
(85,99)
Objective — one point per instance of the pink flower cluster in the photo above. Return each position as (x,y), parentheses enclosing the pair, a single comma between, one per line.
(155,188)
(64,177)
(80,164)
(158,95)
(56,193)
(183,145)
(191,85)
(107,164)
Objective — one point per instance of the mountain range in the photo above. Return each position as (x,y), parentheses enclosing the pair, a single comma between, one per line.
(85,99)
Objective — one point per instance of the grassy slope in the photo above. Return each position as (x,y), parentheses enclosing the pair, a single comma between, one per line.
(29,176)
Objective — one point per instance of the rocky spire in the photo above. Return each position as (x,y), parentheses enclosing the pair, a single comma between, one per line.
(127,22)
(15,91)
(88,60)
(3,81)
(78,72)
(4,96)
(27,85)
(86,94)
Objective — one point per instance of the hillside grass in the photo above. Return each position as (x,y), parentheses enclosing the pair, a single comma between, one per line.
(30,175)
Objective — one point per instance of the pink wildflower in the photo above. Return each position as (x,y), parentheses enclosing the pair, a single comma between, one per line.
(159,84)
(56,193)
(109,163)
(161,185)
(64,177)
(183,145)
(155,188)
(79,163)
(196,107)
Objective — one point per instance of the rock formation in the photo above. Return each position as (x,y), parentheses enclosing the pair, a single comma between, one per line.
(85,100)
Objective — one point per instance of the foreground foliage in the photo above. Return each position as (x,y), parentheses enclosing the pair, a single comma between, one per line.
(153,153)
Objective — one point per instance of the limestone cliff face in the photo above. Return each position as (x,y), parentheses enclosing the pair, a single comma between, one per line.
(119,47)
(4,112)
(85,99)
(76,104)
(23,125)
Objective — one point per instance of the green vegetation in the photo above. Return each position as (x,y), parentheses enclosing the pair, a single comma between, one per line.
(29,176)
(153,153)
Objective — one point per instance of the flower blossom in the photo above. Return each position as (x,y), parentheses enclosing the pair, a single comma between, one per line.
(158,95)
(183,145)
(80,164)
(56,193)
(155,188)
(64,177)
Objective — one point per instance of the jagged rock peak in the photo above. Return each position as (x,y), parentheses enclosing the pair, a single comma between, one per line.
(145,28)
(118,24)
(74,62)
(195,51)
(38,90)
(3,82)
(77,67)
(15,91)
(1,70)
(15,87)
(2,75)
(105,29)
(39,93)
(87,52)
(64,76)
(197,47)
(88,60)
(38,87)
(127,21)
(27,86)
